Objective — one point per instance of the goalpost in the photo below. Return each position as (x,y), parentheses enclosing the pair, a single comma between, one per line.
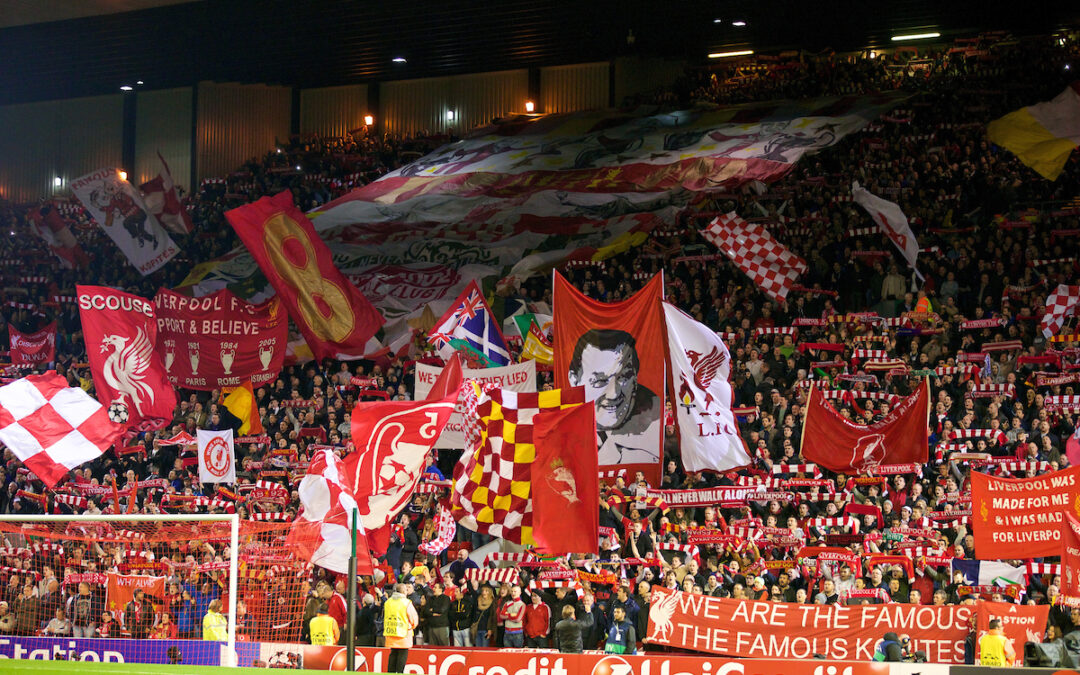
(50,528)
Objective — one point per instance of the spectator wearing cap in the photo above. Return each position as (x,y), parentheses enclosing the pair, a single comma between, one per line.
(537,622)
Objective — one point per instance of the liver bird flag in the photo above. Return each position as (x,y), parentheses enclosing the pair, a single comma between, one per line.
(700,363)
(120,331)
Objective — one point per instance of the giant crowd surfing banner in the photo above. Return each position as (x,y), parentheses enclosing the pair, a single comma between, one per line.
(1022,517)
(119,208)
(220,340)
(120,331)
(616,352)
(514,199)
(779,630)
(334,317)
(516,377)
(838,444)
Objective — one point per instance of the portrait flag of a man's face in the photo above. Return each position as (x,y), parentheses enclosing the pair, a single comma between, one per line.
(616,352)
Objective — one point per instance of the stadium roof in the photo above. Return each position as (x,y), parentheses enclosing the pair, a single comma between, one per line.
(95,46)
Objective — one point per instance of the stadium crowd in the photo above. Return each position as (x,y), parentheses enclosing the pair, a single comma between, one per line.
(994,238)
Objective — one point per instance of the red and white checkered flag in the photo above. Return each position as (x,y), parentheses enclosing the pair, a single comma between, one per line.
(750,246)
(1060,304)
(51,427)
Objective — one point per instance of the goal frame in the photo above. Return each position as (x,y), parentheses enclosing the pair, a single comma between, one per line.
(229,659)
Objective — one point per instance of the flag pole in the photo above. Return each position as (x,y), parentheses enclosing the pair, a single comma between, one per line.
(350,623)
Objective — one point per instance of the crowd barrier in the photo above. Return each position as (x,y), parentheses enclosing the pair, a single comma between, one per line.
(453,661)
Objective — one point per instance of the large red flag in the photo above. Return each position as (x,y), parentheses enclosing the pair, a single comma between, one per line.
(393,439)
(334,317)
(616,351)
(843,446)
(1021,517)
(565,487)
(31,349)
(1070,557)
(120,331)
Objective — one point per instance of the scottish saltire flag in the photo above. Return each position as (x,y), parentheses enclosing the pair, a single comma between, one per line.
(469,327)
(988,573)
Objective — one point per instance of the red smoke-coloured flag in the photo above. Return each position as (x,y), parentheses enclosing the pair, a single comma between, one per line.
(161,199)
(839,445)
(120,331)
(393,439)
(1072,447)
(1070,556)
(565,484)
(51,227)
(334,317)
(31,349)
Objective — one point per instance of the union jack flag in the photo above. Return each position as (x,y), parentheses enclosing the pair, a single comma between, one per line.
(469,326)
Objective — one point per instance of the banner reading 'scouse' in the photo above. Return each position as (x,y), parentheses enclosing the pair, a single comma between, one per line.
(220,340)
(1021,517)
(516,377)
(789,631)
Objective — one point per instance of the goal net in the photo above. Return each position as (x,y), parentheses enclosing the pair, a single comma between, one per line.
(159,583)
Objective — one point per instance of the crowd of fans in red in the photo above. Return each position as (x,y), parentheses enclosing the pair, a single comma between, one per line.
(987,227)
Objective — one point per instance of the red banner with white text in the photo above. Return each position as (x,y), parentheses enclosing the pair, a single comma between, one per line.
(1021,517)
(220,340)
(1021,623)
(31,349)
(334,317)
(778,630)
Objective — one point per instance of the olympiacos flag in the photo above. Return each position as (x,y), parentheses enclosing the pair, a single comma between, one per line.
(120,331)
(334,317)
(1042,135)
(616,352)
(700,365)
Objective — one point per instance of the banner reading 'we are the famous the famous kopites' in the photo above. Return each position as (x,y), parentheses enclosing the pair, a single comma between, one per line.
(781,630)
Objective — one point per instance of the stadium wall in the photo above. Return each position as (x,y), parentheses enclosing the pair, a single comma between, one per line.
(237,122)
(413,106)
(163,124)
(333,111)
(65,138)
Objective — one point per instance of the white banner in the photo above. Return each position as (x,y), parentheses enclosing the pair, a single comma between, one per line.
(700,364)
(893,222)
(515,377)
(217,459)
(119,208)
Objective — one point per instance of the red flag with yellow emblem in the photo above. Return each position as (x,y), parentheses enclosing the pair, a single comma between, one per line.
(334,317)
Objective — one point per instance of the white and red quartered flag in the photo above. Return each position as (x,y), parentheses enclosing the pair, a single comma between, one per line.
(51,427)
(444,534)
(750,246)
(161,199)
(1059,305)
(321,532)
